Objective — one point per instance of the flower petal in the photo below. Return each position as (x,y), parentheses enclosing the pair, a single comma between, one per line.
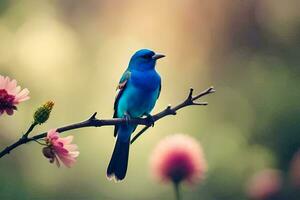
(22,96)
(62,148)
(67,140)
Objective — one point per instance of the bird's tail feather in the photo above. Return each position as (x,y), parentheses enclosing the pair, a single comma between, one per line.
(118,164)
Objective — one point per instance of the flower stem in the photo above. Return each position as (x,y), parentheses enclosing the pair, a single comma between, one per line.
(29,129)
(40,143)
(177,190)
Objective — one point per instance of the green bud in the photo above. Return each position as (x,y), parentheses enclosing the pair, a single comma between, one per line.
(42,114)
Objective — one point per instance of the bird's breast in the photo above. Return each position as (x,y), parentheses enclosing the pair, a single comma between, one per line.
(140,94)
(145,80)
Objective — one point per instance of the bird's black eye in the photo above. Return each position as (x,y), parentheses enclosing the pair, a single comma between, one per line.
(147,56)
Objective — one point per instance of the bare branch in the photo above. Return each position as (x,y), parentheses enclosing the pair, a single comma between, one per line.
(94,122)
(189,101)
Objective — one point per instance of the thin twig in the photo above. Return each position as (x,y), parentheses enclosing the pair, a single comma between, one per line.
(43,144)
(189,101)
(94,122)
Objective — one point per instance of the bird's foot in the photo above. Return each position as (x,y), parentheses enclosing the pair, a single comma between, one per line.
(150,119)
(127,118)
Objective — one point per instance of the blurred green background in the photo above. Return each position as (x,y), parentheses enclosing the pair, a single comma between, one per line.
(73,52)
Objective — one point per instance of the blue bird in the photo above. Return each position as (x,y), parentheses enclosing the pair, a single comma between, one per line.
(138,90)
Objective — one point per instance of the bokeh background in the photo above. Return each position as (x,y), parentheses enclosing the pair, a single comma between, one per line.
(73,52)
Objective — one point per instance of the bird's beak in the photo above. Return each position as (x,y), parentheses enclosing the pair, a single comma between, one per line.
(158,56)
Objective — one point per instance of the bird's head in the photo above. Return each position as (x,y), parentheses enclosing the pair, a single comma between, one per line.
(144,59)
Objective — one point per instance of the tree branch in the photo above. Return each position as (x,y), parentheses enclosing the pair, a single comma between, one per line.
(94,122)
(189,101)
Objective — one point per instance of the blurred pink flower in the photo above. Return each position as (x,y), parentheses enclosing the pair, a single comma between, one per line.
(11,95)
(178,158)
(60,149)
(295,170)
(264,184)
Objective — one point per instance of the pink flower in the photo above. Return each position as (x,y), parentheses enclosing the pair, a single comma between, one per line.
(295,170)
(178,158)
(60,149)
(11,95)
(264,184)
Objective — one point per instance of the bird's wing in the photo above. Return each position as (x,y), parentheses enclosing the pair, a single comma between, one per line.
(120,89)
(159,91)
